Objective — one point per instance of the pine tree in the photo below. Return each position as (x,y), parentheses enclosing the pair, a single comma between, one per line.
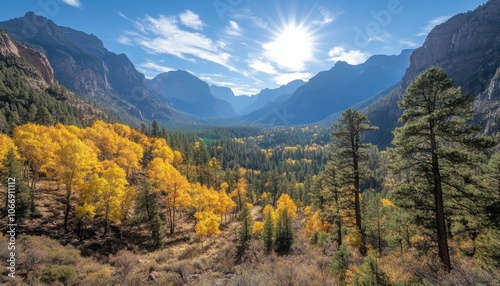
(440,153)
(268,233)
(352,155)
(12,168)
(246,224)
(284,232)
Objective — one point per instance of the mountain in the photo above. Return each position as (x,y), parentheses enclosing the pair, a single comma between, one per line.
(190,94)
(269,95)
(339,88)
(82,64)
(29,92)
(239,103)
(467,47)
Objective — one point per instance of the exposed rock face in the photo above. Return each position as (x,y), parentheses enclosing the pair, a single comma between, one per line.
(33,57)
(82,64)
(7,47)
(467,47)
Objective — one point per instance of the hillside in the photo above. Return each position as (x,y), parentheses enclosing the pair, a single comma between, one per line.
(29,92)
(82,64)
(466,47)
(339,88)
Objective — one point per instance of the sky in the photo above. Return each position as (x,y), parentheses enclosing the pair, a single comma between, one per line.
(248,45)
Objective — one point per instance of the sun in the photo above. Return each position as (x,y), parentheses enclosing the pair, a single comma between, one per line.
(292,47)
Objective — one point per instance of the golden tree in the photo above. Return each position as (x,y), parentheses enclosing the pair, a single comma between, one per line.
(167,179)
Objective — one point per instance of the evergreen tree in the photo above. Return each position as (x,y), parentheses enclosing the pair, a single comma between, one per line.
(155,129)
(352,155)
(246,224)
(284,232)
(13,169)
(440,154)
(268,232)
(43,116)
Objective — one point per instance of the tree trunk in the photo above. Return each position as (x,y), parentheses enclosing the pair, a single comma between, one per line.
(68,208)
(439,205)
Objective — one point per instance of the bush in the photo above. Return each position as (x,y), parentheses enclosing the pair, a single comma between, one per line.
(63,273)
(100,278)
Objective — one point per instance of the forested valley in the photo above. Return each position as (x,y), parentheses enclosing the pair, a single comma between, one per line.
(103,203)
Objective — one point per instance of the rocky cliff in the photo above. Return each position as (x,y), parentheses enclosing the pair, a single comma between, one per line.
(467,47)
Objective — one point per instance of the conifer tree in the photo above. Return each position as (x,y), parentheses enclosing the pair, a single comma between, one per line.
(284,232)
(440,153)
(268,232)
(12,168)
(246,224)
(352,155)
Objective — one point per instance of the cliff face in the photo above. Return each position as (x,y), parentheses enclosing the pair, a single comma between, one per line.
(82,64)
(35,58)
(467,47)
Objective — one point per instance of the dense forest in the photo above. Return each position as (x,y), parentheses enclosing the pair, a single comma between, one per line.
(105,204)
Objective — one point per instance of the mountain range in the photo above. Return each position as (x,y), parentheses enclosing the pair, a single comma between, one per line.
(466,46)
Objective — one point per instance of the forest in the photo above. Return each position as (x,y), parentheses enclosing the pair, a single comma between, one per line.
(103,203)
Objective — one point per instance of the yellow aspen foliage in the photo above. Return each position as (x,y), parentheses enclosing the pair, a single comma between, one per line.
(104,137)
(35,145)
(308,210)
(6,144)
(88,196)
(122,129)
(177,158)
(208,224)
(268,209)
(315,224)
(225,203)
(258,227)
(113,194)
(204,199)
(162,150)
(285,202)
(386,202)
(139,138)
(129,155)
(224,186)
(242,172)
(73,162)
(167,179)
(249,205)
(239,193)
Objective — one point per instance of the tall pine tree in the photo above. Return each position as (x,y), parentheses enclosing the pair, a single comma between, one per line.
(440,155)
(351,154)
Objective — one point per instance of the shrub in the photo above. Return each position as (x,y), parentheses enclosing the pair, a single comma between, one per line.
(63,273)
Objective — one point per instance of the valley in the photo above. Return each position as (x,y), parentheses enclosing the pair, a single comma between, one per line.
(381,171)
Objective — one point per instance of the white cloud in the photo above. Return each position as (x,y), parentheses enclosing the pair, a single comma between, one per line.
(431,24)
(233,29)
(163,35)
(408,43)
(352,57)
(74,3)
(247,14)
(124,40)
(285,78)
(191,20)
(151,69)
(327,17)
(261,66)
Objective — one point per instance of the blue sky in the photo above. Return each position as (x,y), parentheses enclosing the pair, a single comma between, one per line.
(248,45)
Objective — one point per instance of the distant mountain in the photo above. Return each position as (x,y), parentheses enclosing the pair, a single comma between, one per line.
(339,88)
(239,103)
(29,92)
(268,95)
(467,47)
(82,64)
(190,94)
